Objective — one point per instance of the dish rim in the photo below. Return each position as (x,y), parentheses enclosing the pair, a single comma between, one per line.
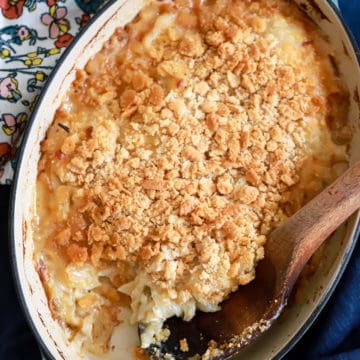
(11,237)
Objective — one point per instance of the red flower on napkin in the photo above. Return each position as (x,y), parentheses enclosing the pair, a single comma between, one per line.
(12,9)
(84,19)
(7,152)
(64,40)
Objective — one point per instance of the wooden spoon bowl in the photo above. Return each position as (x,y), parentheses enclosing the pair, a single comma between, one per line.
(253,308)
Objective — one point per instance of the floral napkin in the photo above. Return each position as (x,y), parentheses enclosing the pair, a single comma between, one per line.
(33,35)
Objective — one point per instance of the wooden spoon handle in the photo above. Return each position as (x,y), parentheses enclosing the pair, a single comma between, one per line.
(291,245)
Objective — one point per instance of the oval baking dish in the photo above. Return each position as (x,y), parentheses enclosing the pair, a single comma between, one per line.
(288,330)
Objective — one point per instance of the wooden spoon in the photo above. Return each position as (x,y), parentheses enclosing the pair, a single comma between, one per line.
(253,308)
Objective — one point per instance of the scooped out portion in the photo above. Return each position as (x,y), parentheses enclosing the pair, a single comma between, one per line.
(195,131)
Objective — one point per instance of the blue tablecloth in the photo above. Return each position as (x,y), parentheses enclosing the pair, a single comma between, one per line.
(334,336)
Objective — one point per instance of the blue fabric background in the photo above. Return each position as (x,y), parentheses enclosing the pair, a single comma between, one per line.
(334,336)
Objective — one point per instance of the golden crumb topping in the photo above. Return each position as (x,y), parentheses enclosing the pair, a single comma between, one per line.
(194,132)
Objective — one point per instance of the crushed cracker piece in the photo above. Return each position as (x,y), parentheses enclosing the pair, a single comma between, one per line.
(184,347)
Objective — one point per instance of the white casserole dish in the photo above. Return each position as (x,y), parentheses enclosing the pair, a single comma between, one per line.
(286,332)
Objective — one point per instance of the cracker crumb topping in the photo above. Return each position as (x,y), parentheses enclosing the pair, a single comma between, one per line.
(180,161)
